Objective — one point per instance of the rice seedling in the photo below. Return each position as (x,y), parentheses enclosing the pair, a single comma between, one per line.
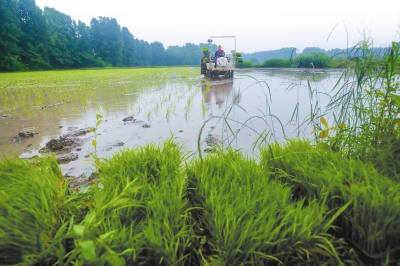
(370,221)
(34,210)
(99,118)
(245,218)
(170,110)
(19,92)
(138,110)
(148,115)
(156,107)
(139,215)
(189,103)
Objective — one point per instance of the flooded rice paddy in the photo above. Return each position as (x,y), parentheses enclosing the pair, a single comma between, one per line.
(45,112)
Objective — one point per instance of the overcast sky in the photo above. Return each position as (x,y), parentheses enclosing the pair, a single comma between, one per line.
(259,25)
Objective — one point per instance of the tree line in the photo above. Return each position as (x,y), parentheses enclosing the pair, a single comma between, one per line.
(35,39)
(292,52)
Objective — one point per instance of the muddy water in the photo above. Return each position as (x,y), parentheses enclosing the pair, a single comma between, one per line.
(231,112)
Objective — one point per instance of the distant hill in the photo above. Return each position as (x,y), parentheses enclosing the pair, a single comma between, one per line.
(288,52)
(349,52)
(259,57)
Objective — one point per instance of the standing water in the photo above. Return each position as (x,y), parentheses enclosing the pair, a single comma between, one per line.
(56,111)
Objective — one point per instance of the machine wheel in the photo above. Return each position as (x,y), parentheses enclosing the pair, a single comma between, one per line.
(231,74)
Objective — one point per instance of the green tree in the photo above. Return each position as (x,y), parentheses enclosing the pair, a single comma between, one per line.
(157,53)
(61,33)
(174,56)
(129,49)
(192,54)
(84,56)
(143,54)
(34,37)
(107,40)
(9,35)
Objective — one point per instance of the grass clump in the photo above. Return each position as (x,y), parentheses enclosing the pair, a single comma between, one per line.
(368,103)
(244,64)
(139,215)
(151,206)
(277,62)
(314,60)
(245,218)
(371,219)
(33,210)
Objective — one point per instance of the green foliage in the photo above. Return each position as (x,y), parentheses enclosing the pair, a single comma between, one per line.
(32,39)
(129,49)
(276,62)
(205,49)
(106,38)
(61,32)
(153,206)
(9,35)
(369,105)
(318,173)
(315,60)
(206,52)
(340,63)
(33,208)
(157,53)
(247,219)
(243,64)
(139,215)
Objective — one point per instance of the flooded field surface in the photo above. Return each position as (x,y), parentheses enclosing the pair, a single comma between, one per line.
(78,114)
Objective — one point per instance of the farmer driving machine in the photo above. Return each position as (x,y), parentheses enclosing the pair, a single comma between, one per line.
(221,66)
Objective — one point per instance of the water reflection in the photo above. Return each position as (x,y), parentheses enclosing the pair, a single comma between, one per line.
(218,92)
(295,74)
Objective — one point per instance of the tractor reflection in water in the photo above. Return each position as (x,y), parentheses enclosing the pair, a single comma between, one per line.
(219,93)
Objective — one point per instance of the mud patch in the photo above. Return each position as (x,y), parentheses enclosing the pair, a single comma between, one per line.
(77,133)
(48,106)
(63,146)
(213,141)
(81,180)
(130,119)
(65,158)
(5,116)
(24,135)
(118,144)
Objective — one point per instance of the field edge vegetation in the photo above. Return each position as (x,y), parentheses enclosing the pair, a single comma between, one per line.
(155,206)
